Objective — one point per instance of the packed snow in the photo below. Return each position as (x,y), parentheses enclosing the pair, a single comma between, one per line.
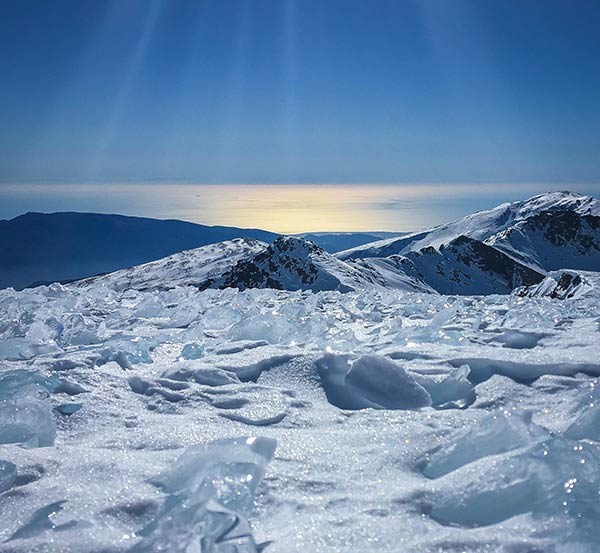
(292,421)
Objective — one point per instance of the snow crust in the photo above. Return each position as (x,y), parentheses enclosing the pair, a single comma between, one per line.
(268,420)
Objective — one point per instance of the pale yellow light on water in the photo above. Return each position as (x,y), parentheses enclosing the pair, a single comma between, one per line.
(284,208)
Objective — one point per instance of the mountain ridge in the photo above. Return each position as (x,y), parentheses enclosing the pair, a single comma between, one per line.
(495,251)
(64,246)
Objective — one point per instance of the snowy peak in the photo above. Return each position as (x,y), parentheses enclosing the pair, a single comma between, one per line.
(511,243)
(483,225)
(556,201)
(292,263)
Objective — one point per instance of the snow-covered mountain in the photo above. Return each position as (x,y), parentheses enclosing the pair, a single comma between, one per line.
(42,247)
(496,250)
(187,268)
(467,267)
(492,225)
(292,263)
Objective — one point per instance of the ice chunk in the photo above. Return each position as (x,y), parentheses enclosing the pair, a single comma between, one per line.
(17,348)
(207,376)
(150,306)
(194,523)
(41,521)
(495,433)
(235,467)
(271,327)
(587,424)
(77,330)
(126,351)
(558,478)
(68,408)
(211,488)
(8,475)
(220,317)
(370,381)
(333,370)
(25,410)
(191,351)
(386,384)
(455,390)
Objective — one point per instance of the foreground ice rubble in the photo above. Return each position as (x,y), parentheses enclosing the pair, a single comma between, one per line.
(499,477)
(25,409)
(211,489)
(404,421)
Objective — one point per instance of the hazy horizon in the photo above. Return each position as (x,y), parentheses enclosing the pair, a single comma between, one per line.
(290,98)
(288,208)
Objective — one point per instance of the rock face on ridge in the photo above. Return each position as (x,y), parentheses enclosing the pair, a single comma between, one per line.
(292,263)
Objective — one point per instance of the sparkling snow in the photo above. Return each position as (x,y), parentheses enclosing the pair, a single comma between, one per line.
(145,420)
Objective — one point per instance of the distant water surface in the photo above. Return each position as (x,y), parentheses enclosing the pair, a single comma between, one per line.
(282,208)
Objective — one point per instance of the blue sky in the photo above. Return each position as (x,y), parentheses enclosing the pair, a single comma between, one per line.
(300,91)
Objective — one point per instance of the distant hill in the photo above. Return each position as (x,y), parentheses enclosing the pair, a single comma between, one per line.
(50,247)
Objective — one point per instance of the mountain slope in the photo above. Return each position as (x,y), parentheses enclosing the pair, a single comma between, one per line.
(38,247)
(187,268)
(553,240)
(292,263)
(468,267)
(554,210)
(563,285)
(497,250)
